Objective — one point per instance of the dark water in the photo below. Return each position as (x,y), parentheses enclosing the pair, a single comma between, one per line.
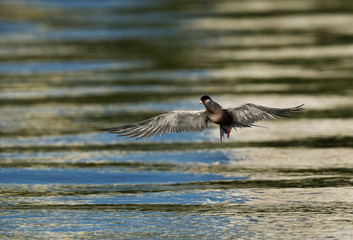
(70,68)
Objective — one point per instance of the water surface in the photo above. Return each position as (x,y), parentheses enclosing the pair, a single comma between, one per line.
(71,68)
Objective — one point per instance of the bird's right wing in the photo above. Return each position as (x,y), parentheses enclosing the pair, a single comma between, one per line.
(175,122)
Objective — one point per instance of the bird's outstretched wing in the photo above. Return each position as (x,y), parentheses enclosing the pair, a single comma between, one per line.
(247,114)
(174,121)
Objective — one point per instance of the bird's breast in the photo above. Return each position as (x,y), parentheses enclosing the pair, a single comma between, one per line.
(214,118)
(221,118)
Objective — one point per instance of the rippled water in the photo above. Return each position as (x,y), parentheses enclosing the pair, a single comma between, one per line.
(71,68)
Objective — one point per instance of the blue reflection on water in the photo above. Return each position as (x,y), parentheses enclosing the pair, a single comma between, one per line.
(101,176)
(60,67)
(90,4)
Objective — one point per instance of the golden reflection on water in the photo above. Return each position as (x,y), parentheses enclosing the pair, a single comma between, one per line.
(332,22)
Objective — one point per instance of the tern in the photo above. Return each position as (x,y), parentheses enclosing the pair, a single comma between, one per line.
(243,116)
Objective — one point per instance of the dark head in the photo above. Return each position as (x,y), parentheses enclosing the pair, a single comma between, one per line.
(205,99)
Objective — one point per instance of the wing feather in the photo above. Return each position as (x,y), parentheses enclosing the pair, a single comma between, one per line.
(247,114)
(175,121)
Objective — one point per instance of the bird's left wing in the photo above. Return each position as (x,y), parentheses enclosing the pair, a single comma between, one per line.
(247,114)
(174,121)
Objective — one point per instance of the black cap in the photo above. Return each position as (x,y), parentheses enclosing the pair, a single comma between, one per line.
(205,97)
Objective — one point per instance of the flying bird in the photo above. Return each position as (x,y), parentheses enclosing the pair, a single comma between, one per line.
(178,121)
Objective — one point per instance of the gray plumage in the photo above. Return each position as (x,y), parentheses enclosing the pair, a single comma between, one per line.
(196,121)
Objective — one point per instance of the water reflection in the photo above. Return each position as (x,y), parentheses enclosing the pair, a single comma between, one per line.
(70,68)
(54,67)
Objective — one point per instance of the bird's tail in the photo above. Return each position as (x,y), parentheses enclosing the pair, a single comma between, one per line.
(224,130)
